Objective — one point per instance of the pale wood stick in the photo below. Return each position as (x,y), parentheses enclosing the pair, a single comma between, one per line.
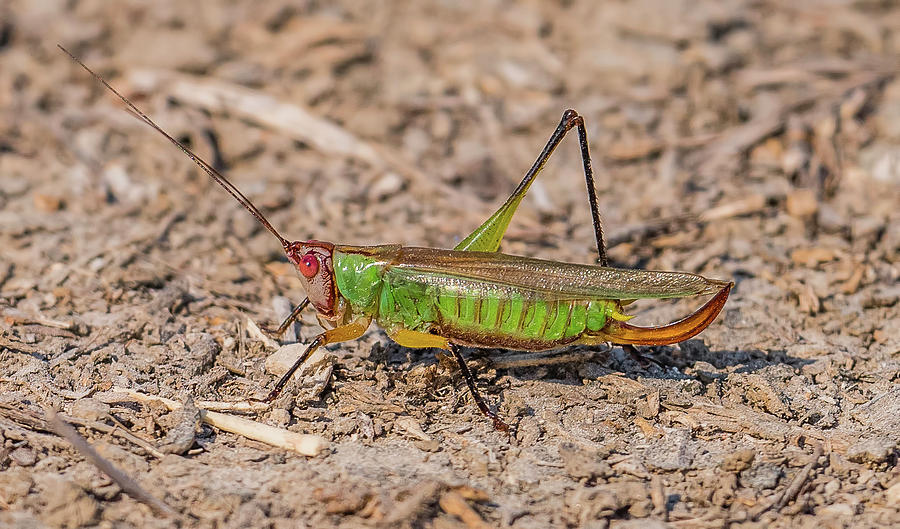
(304,444)
(289,118)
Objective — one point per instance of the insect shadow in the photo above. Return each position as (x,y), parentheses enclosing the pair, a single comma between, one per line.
(573,366)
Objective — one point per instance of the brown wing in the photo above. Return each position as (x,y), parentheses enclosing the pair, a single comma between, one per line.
(563,280)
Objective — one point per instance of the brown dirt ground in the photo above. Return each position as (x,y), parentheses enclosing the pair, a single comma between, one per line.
(752,140)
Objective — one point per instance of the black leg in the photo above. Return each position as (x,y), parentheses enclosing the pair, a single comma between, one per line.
(578,121)
(277,333)
(642,360)
(350,331)
(470,381)
(316,343)
(571,119)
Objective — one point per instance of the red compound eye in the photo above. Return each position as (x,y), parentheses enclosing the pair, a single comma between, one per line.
(309,265)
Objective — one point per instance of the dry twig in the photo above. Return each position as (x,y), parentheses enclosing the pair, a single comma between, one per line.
(304,444)
(128,485)
(658,497)
(119,429)
(792,490)
(289,119)
(453,503)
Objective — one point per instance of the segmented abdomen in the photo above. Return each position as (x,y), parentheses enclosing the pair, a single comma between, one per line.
(486,313)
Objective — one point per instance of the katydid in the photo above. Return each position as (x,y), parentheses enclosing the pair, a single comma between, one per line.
(474,295)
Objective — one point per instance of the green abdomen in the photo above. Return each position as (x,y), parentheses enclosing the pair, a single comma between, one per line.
(484,313)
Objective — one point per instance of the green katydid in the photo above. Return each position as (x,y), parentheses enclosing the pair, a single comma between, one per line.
(474,295)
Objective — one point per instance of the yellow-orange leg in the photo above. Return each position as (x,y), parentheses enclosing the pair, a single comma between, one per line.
(344,333)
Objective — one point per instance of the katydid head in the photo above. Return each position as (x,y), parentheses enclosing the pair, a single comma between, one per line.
(313,261)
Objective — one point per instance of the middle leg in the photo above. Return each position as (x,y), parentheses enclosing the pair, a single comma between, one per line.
(408,338)
(473,389)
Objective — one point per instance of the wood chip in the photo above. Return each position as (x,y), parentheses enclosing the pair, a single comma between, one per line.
(453,503)
(412,427)
(744,206)
(802,203)
(812,256)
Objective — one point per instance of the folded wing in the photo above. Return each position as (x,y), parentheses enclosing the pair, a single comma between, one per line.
(561,280)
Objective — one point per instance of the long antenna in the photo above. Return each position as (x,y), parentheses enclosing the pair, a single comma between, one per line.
(215,175)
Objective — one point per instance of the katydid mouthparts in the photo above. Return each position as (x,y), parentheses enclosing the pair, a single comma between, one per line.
(474,295)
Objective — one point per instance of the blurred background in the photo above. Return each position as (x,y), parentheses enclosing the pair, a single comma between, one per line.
(757,141)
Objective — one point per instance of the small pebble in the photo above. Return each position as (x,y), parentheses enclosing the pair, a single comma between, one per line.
(893,495)
(389,184)
(836,509)
(802,203)
(412,427)
(738,461)
(89,409)
(763,476)
(47,203)
(281,360)
(24,457)
(280,417)
(875,450)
